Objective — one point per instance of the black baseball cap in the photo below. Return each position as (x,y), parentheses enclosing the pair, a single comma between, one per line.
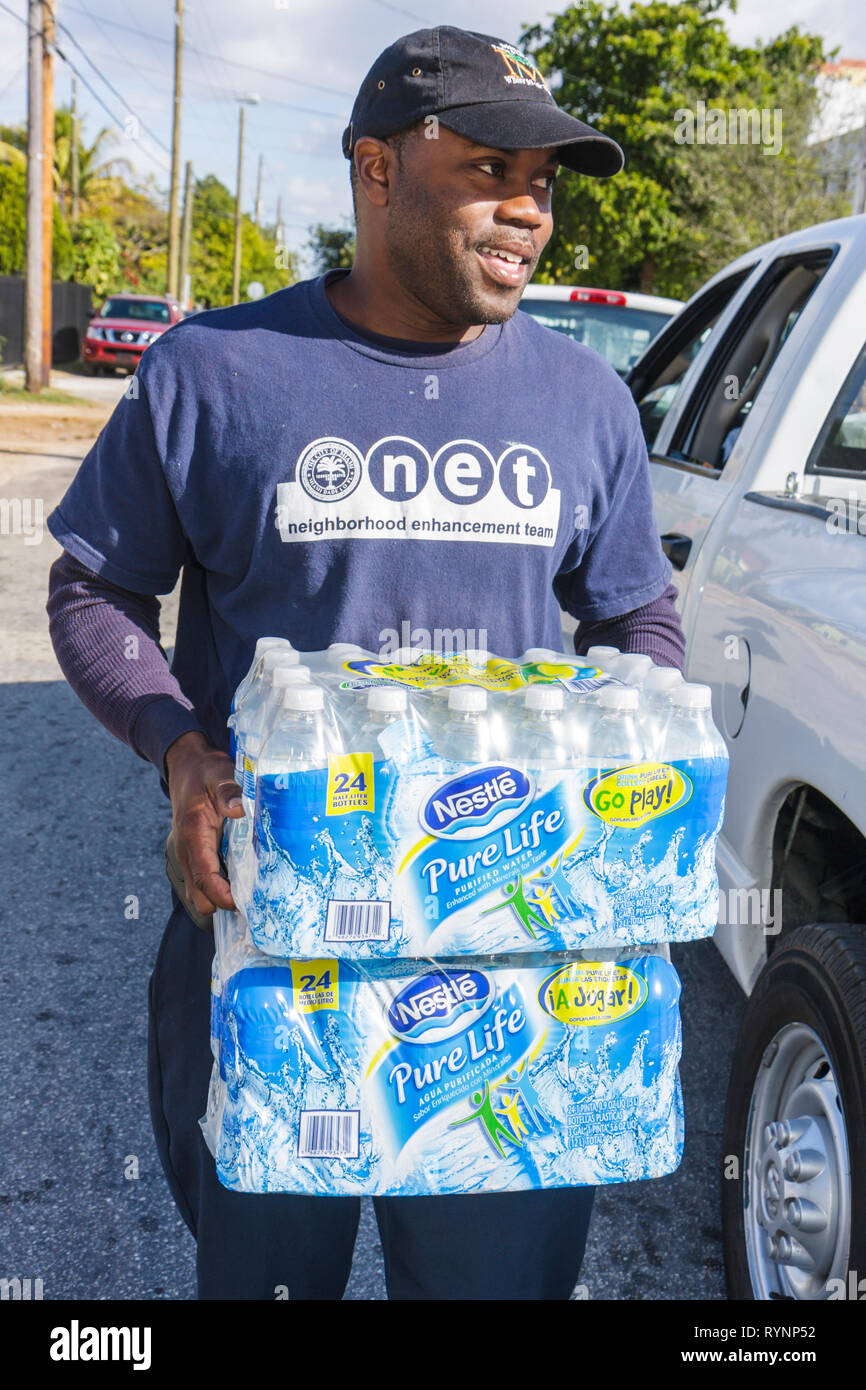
(479,87)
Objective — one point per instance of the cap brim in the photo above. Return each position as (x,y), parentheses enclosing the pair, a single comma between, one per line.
(535,125)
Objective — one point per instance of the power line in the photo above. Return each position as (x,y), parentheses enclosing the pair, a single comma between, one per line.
(95,20)
(209,74)
(161,162)
(308,110)
(96,97)
(113,89)
(230,62)
(14,78)
(21,20)
(222,99)
(397,9)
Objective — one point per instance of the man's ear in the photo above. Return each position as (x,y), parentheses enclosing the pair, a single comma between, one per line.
(374,162)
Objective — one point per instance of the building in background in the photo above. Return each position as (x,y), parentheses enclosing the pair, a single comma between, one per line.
(841,128)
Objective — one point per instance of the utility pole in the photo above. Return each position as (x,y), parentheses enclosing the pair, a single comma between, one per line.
(73,153)
(236,265)
(185,233)
(278,230)
(173,217)
(252,100)
(259,196)
(33,262)
(47,182)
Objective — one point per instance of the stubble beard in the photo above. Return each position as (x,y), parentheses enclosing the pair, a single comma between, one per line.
(432,261)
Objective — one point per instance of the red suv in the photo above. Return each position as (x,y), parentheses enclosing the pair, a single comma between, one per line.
(125,325)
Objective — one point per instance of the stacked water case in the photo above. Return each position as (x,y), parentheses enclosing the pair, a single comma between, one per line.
(457,879)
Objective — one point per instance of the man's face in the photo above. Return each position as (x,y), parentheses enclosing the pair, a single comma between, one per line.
(452,206)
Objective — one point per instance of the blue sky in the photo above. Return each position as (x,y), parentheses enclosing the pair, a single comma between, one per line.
(305,60)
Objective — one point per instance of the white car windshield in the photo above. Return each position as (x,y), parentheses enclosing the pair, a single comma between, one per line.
(618,333)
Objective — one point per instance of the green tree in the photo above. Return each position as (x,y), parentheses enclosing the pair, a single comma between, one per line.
(95,165)
(13,227)
(679,211)
(332,248)
(13,221)
(212,249)
(136,217)
(96,257)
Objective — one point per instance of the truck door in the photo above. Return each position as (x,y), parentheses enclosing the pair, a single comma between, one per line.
(696,393)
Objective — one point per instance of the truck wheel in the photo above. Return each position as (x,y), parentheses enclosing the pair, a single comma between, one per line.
(794,1192)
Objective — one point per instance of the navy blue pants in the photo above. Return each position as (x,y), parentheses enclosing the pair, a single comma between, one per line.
(509,1245)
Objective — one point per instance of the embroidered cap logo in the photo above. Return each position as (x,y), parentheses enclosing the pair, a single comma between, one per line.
(519,68)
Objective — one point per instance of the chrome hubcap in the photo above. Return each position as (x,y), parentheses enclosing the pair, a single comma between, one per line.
(797,1180)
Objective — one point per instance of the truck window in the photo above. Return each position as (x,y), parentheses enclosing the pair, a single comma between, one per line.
(841,445)
(728,389)
(656,378)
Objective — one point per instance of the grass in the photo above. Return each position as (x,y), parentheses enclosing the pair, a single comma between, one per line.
(49,395)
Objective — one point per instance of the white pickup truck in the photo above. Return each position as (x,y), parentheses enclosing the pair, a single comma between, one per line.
(753,402)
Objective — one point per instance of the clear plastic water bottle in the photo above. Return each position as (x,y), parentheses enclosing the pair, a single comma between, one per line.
(264,644)
(385,704)
(614,735)
(477,656)
(340,652)
(630,667)
(282,678)
(283,675)
(466,736)
(660,681)
(215,1008)
(258,710)
(605,659)
(303,736)
(250,682)
(533,655)
(691,742)
(330,667)
(289,812)
(600,656)
(407,656)
(689,731)
(656,692)
(549,735)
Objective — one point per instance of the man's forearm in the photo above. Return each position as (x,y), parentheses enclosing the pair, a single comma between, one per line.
(107,642)
(654,630)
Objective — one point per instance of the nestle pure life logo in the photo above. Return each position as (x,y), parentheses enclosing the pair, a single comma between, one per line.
(476,802)
(438,1005)
(630,796)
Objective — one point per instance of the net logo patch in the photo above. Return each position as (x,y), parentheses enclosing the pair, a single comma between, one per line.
(398,488)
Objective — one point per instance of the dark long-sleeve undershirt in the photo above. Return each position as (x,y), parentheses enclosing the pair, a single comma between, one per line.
(107,643)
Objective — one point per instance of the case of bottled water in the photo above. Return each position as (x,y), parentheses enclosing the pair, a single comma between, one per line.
(472,805)
(421,1076)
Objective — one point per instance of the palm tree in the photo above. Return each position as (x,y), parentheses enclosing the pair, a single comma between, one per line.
(93,167)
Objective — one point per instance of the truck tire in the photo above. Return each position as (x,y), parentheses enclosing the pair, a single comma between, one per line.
(794,1184)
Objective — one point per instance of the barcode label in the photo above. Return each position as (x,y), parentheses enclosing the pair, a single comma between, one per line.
(329,1134)
(350,921)
(248,784)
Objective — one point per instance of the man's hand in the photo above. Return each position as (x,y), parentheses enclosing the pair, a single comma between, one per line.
(203,791)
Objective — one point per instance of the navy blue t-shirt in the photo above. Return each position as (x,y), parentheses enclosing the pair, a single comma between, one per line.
(322,484)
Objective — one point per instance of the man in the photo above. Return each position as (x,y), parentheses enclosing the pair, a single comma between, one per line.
(362,450)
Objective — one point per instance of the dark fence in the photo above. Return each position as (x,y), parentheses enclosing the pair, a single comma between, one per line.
(71,311)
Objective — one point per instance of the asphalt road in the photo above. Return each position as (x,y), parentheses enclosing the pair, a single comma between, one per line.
(85,1207)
